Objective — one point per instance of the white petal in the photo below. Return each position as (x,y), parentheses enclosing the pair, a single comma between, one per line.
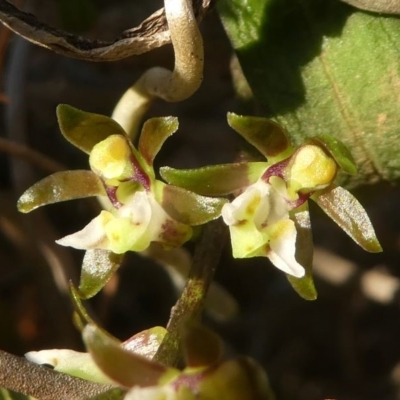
(252,203)
(92,236)
(69,362)
(279,206)
(283,248)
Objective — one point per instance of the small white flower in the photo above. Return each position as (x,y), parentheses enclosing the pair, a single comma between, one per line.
(132,227)
(259,225)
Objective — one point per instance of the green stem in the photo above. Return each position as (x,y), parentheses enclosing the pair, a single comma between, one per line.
(190,305)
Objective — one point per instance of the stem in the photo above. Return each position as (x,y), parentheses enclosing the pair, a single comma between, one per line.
(190,305)
(23,376)
(173,86)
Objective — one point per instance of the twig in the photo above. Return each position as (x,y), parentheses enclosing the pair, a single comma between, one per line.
(190,305)
(23,376)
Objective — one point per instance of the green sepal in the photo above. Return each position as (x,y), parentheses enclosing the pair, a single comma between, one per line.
(154,133)
(201,346)
(349,214)
(61,186)
(146,343)
(268,137)
(187,207)
(97,268)
(122,366)
(83,129)
(304,253)
(339,152)
(215,180)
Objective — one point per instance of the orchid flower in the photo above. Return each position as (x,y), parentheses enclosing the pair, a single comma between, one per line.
(206,375)
(139,209)
(269,215)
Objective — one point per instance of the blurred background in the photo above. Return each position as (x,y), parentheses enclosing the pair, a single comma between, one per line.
(345,345)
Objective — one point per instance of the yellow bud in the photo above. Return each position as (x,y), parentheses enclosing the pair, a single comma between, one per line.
(110,158)
(311,169)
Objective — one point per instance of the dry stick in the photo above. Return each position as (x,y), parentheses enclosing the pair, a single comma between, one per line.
(23,376)
(173,86)
(190,305)
(150,34)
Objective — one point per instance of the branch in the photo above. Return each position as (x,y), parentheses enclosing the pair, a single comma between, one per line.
(150,34)
(23,376)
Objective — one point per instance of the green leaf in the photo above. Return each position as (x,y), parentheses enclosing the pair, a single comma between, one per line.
(315,68)
(61,186)
(146,343)
(380,6)
(154,133)
(188,207)
(265,135)
(350,215)
(83,129)
(122,366)
(97,268)
(304,253)
(339,152)
(215,180)
(201,346)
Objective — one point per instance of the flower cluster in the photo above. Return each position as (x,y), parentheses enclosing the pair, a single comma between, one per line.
(268,216)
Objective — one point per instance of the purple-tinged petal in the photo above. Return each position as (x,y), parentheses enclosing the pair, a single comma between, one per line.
(84,129)
(215,180)
(146,343)
(120,365)
(350,215)
(61,186)
(154,133)
(97,268)
(268,137)
(188,207)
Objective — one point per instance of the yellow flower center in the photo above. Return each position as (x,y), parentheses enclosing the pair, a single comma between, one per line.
(110,158)
(311,169)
